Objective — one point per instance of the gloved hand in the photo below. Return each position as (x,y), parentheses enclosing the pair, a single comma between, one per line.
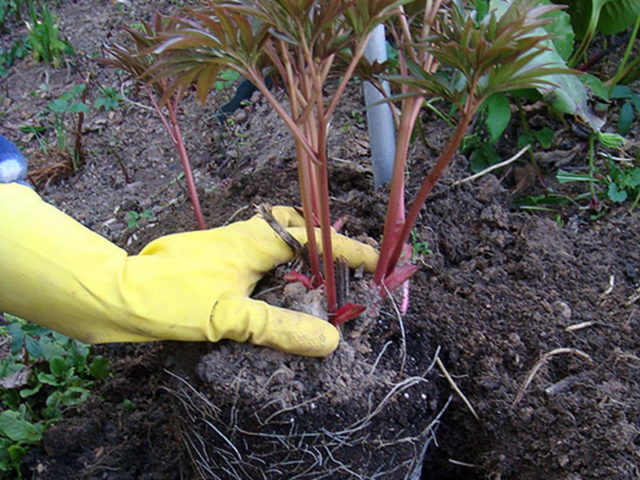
(189,286)
(13,166)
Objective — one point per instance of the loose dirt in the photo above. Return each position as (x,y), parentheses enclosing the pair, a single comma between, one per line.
(533,317)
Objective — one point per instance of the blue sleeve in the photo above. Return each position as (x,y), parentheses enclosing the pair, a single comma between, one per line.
(13,165)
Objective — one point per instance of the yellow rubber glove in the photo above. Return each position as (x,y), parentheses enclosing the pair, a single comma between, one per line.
(189,286)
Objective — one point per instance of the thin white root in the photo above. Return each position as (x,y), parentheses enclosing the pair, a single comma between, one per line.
(463,464)
(493,167)
(634,298)
(217,442)
(235,214)
(609,289)
(541,361)
(580,326)
(456,389)
(403,358)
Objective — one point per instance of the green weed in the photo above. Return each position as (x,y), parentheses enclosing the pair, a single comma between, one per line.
(494,118)
(419,248)
(44,374)
(133,218)
(630,101)
(18,49)
(108,99)
(44,37)
(226,79)
(9,10)
(617,183)
(60,110)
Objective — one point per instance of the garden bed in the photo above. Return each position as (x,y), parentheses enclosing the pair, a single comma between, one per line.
(533,318)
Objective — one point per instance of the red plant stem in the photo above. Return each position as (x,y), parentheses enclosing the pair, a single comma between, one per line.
(305,170)
(162,116)
(173,127)
(184,159)
(305,161)
(325,222)
(314,194)
(323,192)
(426,187)
(305,195)
(395,212)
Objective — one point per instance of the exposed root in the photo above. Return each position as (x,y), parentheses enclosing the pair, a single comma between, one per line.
(541,361)
(580,326)
(463,464)
(379,357)
(610,286)
(634,298)
(493,167)
(222,445)
(403,358)
(235,214)
(456,389)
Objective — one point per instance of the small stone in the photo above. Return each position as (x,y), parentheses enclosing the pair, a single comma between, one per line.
(563,461)
(240,116)
(525,414)
(563,310)
(133,188)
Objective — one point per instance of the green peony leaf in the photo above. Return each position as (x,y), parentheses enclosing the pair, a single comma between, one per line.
(605,16)
(498,115)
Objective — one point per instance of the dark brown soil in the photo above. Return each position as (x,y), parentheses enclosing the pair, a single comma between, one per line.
(534,318)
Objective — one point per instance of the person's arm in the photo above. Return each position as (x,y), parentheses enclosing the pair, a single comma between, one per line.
(190,286)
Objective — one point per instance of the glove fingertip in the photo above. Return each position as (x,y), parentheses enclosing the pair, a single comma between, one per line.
(303,334)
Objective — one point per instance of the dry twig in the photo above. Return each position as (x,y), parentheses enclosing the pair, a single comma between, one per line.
(456,388)
(493,167)
(541,361)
